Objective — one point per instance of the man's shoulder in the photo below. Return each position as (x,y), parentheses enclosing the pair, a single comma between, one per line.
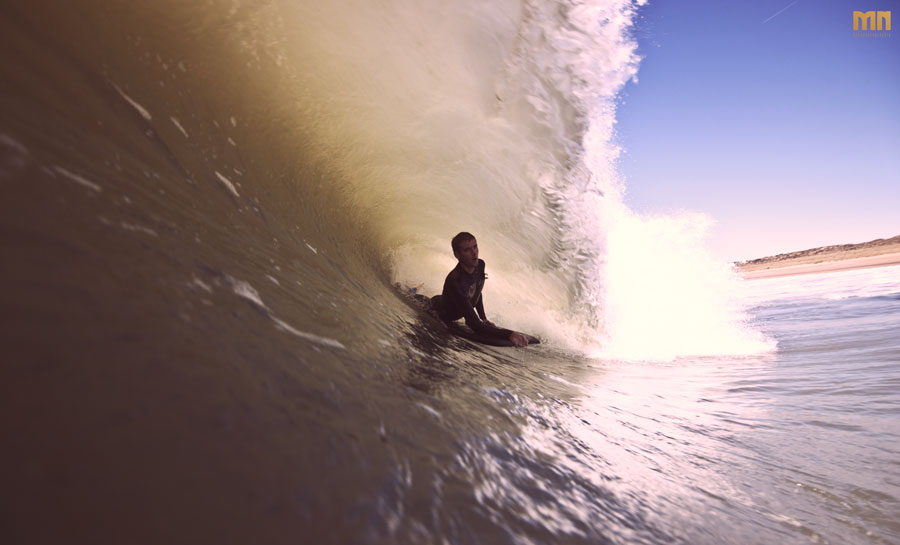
(454,273)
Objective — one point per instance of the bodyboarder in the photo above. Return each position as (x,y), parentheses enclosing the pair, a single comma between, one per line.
(461,295)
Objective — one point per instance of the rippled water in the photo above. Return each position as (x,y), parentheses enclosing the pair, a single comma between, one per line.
(801,444)
(798,445)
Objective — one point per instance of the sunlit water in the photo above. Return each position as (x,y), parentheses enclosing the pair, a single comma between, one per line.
(800,445)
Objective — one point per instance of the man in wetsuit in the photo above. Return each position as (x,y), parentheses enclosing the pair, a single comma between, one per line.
(462,292)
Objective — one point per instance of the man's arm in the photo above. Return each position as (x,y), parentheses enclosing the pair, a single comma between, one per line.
(479,306)
(487,328)
(477,325)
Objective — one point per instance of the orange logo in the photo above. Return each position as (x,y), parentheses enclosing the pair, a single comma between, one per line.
(872,19)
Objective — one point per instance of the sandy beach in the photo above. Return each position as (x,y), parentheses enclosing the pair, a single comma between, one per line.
(876,253)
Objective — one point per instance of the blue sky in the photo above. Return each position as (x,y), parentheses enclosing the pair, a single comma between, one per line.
(786,131)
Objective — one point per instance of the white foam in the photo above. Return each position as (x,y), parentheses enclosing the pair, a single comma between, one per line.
(80,180)
(180,128)
(562,380)
(14,155)
(417,352)
(308,336)
(201,284)
(429,410)
(138,228)
(134,104)
(248,292)
(665,296)
(227,183)
(12,145)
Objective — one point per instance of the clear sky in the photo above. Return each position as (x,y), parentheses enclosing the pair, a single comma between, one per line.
(784,127)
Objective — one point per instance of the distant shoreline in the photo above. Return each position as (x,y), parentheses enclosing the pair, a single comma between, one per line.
(875,253)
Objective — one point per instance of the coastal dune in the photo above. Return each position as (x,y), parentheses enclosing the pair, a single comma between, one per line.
(875,253)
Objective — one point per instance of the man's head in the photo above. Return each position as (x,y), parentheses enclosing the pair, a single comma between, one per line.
(465,249)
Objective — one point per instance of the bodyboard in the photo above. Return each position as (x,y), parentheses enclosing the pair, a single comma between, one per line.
(419,301)
(464,331)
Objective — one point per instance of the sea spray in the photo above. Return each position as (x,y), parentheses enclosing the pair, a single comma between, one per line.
(666,296)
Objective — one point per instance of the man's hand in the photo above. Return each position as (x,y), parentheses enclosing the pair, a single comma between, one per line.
(518,339)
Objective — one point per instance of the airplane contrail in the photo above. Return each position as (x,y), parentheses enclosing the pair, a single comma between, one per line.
(779,12)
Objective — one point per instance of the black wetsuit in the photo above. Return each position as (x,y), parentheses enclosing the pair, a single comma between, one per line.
(460,298)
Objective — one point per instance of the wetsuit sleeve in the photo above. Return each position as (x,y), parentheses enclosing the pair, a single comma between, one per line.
(479,306)
(482,328)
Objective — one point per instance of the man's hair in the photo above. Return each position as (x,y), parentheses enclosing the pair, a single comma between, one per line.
(459,239)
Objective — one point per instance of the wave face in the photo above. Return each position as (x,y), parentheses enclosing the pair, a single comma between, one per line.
(492,118)
(205,206)
(390,127)
(498,119)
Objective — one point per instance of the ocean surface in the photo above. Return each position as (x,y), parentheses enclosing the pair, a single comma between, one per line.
(204,208)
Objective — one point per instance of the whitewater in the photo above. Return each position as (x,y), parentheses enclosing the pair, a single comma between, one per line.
(205,208)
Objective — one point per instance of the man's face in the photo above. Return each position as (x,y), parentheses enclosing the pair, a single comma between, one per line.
(468,253)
